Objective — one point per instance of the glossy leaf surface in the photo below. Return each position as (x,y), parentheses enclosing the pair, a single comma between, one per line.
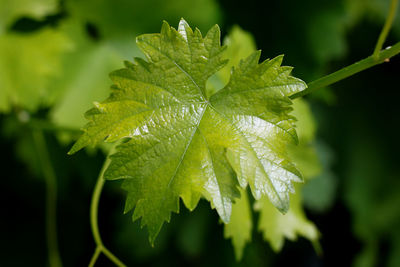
(277,227)
(184,143)
(240,44)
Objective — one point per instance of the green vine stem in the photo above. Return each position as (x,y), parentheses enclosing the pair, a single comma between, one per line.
(348,71)
(386,28)
(51,199)
(379,56)
(94,208)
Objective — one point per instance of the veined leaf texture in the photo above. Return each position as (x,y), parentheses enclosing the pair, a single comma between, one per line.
(183,141)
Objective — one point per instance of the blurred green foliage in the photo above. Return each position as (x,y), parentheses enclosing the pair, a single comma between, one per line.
(55,57)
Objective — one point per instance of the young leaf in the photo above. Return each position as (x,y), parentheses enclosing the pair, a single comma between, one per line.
(276,226)
(186,144)
(240,44)
(241,224)
(304,154)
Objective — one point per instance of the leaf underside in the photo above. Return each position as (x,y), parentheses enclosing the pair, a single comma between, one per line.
(183,143)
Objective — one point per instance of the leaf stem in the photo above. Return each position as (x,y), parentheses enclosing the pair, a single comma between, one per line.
(383,56)
(94,207)
(51,199)
(386,28)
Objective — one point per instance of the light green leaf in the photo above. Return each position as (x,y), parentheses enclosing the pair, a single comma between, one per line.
(183,143)
(240,44)
(10,10)
(305,124)
(276,226)
(36,57)
(241,224)
(304,154)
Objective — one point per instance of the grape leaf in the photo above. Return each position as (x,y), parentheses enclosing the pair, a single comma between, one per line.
(183,143)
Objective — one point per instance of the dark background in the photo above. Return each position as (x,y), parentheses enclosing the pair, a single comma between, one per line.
(358,119)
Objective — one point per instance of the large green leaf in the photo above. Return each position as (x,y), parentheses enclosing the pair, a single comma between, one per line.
(184,143)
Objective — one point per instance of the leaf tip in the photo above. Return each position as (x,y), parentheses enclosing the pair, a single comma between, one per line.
(165,27)
(277,61)
(151,241)
(73,149)
(79,144)
(183,23)
(283,206)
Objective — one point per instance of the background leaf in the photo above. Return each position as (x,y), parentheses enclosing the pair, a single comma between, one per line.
(276,226)
(11,10)
(36,57)
(240,226)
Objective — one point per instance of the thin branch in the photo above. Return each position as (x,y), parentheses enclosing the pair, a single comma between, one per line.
(348,71)
(386,28)
(94,207)
(95,256)
(51,199)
